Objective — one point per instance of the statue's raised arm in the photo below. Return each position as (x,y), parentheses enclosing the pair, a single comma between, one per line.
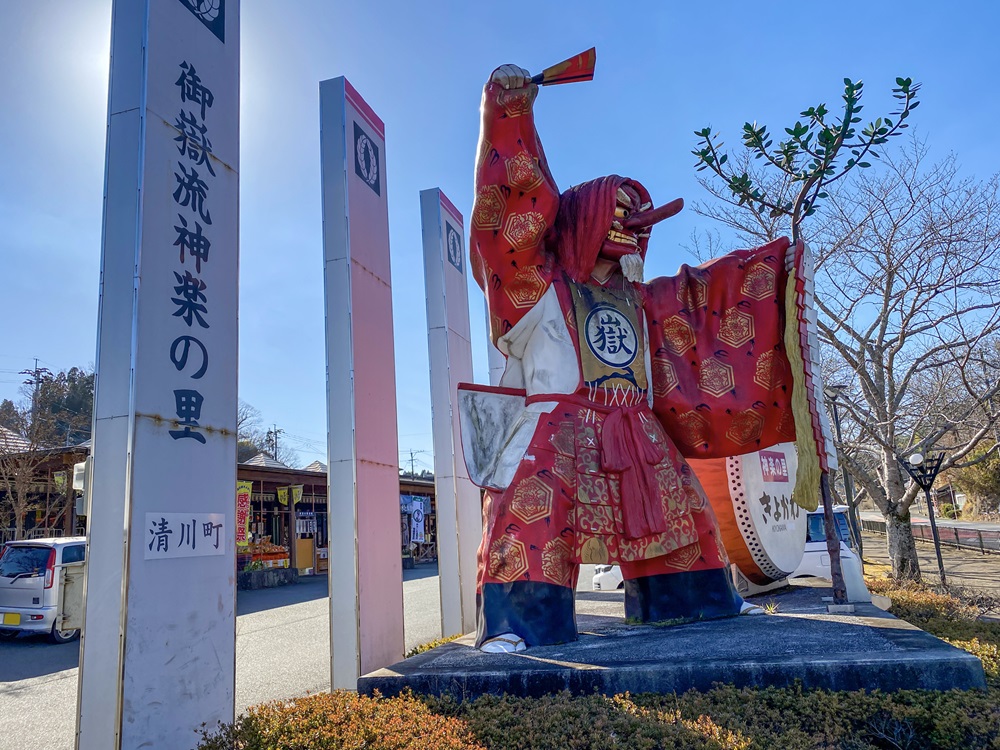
(516,201)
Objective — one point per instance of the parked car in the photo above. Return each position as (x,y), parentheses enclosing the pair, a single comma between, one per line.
(32,579)
(608,578)
(816,558)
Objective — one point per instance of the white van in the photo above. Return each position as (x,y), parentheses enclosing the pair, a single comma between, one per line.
(40,580)
(816,558)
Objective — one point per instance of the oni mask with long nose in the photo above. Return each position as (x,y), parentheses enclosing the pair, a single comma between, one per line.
(607,219)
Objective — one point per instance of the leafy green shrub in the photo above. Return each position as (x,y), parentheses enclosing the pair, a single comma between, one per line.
(949,511)
(428,646)
(724,718)
(592,722)
(916,602)
(795,718)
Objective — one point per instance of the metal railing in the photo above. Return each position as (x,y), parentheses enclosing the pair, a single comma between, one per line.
(981,540)
(10,535)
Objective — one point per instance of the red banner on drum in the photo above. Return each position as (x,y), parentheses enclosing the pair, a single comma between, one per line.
(773,466)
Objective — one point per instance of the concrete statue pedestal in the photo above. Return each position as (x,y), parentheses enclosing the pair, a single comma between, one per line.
(869,649)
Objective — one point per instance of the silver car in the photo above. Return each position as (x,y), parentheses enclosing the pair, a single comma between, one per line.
(32,581)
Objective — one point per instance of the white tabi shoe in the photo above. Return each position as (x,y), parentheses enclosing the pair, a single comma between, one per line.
(751,609)
(506,643)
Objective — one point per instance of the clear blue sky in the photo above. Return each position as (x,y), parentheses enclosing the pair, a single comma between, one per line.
(662,72)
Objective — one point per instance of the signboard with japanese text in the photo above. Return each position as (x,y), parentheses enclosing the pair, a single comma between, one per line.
(366,609)
(184,535)
(244,490)
(449,346)
(165,430)
(773,466)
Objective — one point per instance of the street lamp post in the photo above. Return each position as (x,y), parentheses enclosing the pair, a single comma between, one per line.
(924,471)
(833,393)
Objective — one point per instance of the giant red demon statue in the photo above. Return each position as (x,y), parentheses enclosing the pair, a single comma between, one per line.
(610,385)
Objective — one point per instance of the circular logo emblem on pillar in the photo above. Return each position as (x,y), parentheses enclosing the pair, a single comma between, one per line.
(212,13)
(454,246)
(367,160)
(611,337)
(206,9)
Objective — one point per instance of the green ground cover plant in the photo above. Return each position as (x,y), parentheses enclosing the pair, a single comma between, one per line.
(724,718)
(432,644)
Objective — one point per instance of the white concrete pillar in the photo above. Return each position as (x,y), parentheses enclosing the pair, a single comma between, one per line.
(158,652)
(449,345)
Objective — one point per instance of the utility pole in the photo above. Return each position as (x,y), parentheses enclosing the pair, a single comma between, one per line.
(34,380)
(413,461)
(272,438)
(34,396)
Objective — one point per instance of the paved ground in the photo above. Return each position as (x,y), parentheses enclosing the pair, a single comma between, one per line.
(282,650)
(282,645)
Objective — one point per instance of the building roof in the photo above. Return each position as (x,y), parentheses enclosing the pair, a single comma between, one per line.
(11,442)
(316,466)
(262,459)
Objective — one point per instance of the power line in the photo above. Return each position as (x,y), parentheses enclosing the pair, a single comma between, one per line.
(413,459)
(306,442)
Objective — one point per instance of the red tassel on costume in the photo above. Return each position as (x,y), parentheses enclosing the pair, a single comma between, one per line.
(627,449)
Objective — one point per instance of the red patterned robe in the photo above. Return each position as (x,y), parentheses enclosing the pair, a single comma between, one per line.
(625,380)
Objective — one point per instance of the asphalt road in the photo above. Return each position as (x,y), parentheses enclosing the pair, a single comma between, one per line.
(282,650)
(962,567)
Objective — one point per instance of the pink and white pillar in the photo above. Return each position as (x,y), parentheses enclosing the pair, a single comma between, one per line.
(366,590)
(449,345)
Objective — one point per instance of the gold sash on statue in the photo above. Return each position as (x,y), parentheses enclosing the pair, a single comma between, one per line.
(612,347)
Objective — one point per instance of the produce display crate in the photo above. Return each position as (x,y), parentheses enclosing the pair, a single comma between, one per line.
(275,559)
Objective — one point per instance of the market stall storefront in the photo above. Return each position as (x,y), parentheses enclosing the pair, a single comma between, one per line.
(284,512)
(417,521)
(285,515)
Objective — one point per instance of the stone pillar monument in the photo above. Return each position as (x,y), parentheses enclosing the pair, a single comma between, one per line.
(366,593)
(449,345)
(158,653)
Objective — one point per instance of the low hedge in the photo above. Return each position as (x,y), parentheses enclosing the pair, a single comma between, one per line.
(723,718)
(341,720)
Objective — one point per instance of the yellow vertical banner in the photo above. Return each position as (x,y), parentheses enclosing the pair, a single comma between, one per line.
(243,493)
(296,493)
(283,495)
